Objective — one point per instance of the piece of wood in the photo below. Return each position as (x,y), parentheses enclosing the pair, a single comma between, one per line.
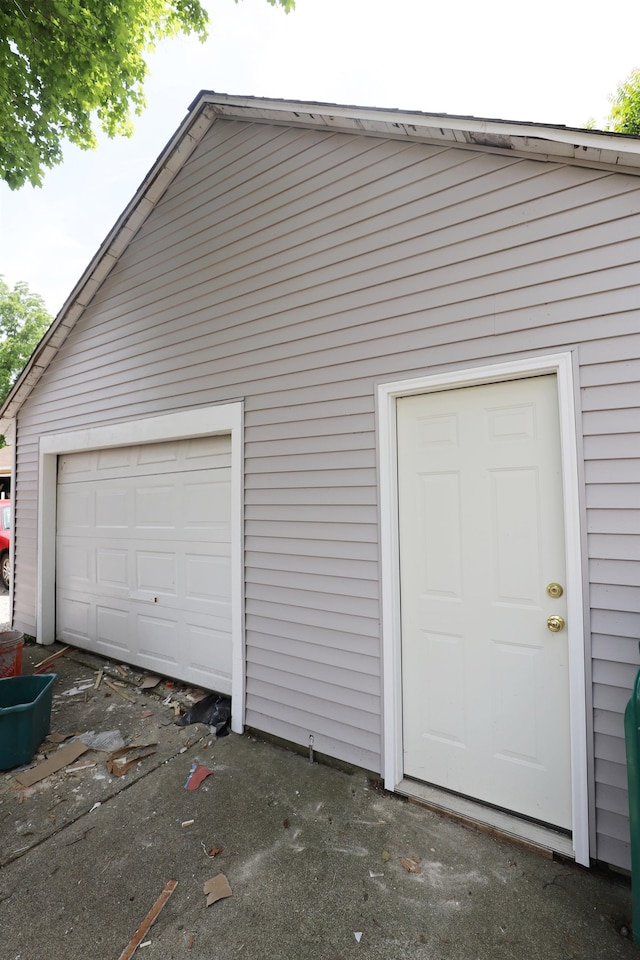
(140,933)
(54,656)
(99,678)
(117,765)
(116,689)
(61,758)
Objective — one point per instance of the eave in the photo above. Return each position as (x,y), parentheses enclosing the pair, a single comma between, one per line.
(588,148)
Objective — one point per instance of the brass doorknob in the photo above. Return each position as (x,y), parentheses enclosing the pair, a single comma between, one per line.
(555,623)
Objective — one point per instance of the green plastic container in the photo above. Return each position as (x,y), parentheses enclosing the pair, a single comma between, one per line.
(25,715)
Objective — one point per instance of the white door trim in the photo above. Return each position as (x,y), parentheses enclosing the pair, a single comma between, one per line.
(388,393)
(205,421)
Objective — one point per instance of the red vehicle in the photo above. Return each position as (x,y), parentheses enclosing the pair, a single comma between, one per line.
(5,542)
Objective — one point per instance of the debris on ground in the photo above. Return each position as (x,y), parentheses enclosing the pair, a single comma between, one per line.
(411,864)
(120,761)
(197,775)
(61,758)
(212,852)
(148,682)
(58,737)
(81,766)
(74,691)
(43,665)
(106,741)
(140,933)
(217,889)
(358,936)
(213,710)
(117,689)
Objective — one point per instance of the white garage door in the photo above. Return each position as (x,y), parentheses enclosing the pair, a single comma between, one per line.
(143,557)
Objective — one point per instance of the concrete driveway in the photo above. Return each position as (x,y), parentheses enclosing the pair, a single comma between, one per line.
(322,864)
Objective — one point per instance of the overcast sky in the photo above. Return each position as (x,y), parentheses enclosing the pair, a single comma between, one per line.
(553,62)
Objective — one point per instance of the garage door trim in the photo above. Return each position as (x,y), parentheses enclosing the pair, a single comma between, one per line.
(204,421)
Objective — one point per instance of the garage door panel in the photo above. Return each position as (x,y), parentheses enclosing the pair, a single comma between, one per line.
(169,457)
(157,506)
(159,637)
(159,453)
(209,647)
(200,452)
(75,509)
(112,568)
(156,572)
(197,577)
(111,508)
(182,646)
(191,509)
(75,465)
(113,631)
(143,561)
(207,578)
(75,564)
(116,458)
(206,502)
(77,617)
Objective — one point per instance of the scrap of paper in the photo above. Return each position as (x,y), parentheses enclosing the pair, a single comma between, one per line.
(197,775)
(217,889)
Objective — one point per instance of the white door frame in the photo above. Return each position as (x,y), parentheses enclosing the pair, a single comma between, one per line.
(388,393)
(201,422)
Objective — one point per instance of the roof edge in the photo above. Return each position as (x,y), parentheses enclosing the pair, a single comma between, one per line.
(592,148)
(415,124)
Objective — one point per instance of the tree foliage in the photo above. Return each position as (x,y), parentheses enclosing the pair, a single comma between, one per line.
(64,63)
(23,322)
(625,106)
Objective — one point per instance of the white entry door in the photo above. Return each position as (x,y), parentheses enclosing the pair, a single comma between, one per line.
(143,546)
(485,681)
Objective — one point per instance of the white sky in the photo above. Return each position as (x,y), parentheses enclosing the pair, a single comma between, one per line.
(553,62)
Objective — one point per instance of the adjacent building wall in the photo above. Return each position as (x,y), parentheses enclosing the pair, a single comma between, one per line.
(297,269)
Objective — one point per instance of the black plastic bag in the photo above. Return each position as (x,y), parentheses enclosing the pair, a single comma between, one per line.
(213,710)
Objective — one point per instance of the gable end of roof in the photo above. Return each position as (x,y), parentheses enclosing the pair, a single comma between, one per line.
(591,148)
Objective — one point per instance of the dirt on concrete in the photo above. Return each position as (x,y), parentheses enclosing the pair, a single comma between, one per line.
(321,862)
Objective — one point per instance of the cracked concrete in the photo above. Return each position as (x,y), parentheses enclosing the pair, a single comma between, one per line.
(313,856)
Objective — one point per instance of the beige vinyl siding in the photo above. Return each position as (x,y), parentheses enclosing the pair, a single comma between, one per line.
(611,425)
(25,530)
(297,269)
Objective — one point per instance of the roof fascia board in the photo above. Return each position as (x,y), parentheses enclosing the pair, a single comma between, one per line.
(588,147)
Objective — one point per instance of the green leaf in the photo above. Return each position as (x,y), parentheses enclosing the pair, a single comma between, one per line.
(66,63)
(625,106)
(23,322)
